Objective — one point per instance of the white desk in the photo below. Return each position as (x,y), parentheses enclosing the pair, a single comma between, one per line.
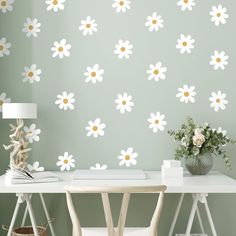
(198,186)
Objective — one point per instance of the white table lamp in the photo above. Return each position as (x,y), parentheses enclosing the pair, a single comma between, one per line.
(19,144)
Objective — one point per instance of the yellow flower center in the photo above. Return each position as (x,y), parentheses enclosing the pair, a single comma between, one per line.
(156,72)
(93,74)
(4,3)
(65,100)
(60,49)
(218,100)
(157,122)
(1,47)
(121,3)
(95,128)
(30,74)
(154,22)
(218,60)
(185,44)
(1,102)
(65,161)
(30,27)
(124,102)
(186,94)
(185,1)
(54,2)
(127,157)
(88,26)
(122,49)
(218,14)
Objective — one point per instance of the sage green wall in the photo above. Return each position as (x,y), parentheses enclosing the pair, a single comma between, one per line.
(65,130)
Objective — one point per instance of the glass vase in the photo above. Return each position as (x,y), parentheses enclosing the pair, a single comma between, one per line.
(200,164)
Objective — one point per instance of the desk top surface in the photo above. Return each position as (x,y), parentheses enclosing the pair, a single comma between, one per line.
(214,182)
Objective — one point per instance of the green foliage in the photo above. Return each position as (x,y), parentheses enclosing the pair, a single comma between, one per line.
(211,141)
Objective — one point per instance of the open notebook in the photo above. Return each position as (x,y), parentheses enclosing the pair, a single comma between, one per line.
(14,176)
(109,174)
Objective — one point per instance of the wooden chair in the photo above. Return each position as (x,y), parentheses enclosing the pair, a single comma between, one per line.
(120,230)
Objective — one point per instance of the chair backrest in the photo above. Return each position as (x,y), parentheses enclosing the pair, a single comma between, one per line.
(104,191)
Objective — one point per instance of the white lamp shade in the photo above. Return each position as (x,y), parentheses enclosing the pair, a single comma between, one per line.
(19,111)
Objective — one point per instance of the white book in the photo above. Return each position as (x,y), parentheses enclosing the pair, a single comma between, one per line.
(109,174)
(14,176)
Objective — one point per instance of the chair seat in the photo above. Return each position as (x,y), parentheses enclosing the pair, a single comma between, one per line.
(127,231)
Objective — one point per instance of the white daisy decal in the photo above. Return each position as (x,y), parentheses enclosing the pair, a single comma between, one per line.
(98,167)
(55,5)
(95,128)
(156,72)
(157,122)
(35,167)
(186,94)
(4,47)
(185,43)
(94,74)
(218,100)
(128,157)
(31,27)
(219,60)
(186,4)
(123,49)
(66,162)
(220,130)
(3,99)
(65,101)
(6,5)
(88,26)
(154,22)
(219,15)
(31,74)
(121,5)
(32,133)
(61,49)
(124,103)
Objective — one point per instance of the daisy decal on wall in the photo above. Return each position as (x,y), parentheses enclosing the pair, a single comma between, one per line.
(186,94)
(154,22)
(3,99)
(61,49)
(156,72)
(94,74)
(123,49)
(95,128)
(65,101)
(124,103)
(6,5)
(121,5)
(98,167)
(32,133)
(157,122)
(218,100)
(186,4)
(35,167)
(4,47)
(55,5)
(219,15)
(31,27)
(219,60)
(66,162)
(185,43)
(128,157)
(88,26)
(31,74)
